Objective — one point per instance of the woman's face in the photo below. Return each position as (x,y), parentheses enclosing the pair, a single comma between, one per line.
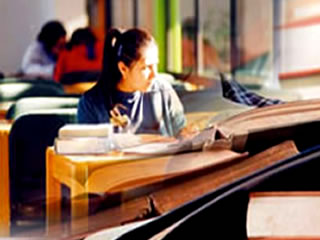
(139,76)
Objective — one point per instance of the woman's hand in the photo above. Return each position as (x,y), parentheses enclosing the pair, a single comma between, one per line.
(118,119)
(189,131)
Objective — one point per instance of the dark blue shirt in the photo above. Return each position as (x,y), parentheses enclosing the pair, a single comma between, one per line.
(157,111)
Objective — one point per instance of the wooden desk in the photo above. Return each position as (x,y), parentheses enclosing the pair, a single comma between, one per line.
(85,174)
(151,200)
(158,196)
(4,178)
(76,173)
(78,88)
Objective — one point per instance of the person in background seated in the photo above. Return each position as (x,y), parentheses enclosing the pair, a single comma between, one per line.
(83,55)
(128,92)
(40,57)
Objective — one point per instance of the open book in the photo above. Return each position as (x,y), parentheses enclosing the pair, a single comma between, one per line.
(284,214)
(255,129)
(173,195)
(125,171)
(272,124)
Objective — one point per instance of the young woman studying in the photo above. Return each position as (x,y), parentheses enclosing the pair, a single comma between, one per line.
(128,93)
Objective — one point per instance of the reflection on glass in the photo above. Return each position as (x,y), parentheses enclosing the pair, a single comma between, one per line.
(206,36)
(255,51)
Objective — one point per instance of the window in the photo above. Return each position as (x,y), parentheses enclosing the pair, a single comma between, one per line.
(206,35)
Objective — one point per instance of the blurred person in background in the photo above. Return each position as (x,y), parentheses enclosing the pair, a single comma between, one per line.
(82,58)
(41,56)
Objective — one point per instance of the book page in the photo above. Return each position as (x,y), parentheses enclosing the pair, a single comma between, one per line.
(284,216)
(168,145)
(159,148)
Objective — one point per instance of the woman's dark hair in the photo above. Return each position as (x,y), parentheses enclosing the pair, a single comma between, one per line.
(50,33)
(125,47)
(83,36)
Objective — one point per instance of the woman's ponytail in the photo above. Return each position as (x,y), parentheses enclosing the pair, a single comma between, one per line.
(110,74)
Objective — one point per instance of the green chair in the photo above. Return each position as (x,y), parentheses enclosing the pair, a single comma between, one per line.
(27,104)
(29,137)
(12,89)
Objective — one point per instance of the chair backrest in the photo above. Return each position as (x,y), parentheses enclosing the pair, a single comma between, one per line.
(29,137)
(25,105)
(12,89)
